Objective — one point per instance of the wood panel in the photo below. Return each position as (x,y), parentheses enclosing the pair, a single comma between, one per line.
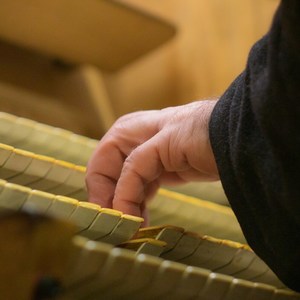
(210,50)
(99,32)
(46,90)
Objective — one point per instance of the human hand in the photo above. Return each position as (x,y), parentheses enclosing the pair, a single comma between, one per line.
(143,150)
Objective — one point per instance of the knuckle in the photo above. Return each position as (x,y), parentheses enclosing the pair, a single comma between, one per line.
(127,117)
(132,159)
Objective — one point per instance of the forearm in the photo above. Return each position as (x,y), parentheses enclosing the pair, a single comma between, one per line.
(254,135)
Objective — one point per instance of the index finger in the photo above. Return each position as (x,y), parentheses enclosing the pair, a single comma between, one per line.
(103,171)
(141,170)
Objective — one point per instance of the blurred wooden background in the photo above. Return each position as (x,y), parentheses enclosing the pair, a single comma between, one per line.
(209,50)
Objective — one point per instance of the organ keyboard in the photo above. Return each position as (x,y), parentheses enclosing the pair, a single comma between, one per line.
(105,254)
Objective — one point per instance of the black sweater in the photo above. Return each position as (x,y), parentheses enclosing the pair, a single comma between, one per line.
(254,131)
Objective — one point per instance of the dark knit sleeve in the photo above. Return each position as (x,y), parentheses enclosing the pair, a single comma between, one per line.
(255,136)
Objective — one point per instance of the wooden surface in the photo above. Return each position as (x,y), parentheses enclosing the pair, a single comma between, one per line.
(98,32)
(208,52)
(44,109)
(31,247)
(36,87)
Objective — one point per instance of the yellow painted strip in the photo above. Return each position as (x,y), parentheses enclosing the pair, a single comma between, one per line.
(133,218)
(80,168)
(6,147)
(24,153)
(67,199)
(90,205)
(196,201)
(111,211)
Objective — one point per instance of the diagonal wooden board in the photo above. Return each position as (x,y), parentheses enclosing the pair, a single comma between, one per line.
(100,32)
